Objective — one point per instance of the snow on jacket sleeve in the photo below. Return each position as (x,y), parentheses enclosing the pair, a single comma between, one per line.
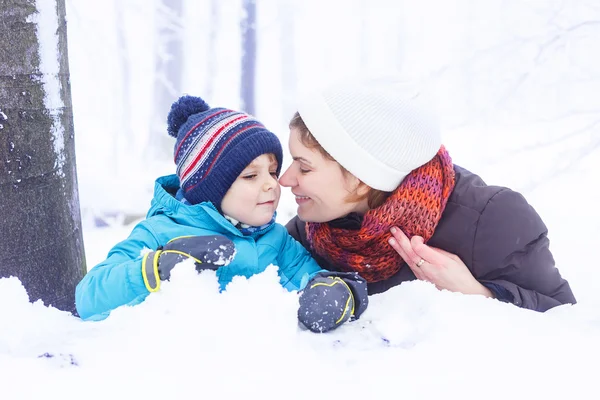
(296,265)
(117,280)
(511,250)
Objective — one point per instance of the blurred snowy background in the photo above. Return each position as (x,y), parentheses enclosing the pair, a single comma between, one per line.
(517,85)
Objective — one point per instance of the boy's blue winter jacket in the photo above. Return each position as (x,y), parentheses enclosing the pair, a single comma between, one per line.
(118,280)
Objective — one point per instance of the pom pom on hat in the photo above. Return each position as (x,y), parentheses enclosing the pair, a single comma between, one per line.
(181,110)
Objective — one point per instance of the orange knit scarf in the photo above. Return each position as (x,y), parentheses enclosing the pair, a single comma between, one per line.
(416,207)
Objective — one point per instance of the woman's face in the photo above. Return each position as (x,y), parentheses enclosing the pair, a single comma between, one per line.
(320,186)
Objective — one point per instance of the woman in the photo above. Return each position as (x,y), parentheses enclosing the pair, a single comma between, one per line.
(378,194)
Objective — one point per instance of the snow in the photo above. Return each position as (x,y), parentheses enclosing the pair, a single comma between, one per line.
(413,342)
(189,341)
(224,258)
(46,21)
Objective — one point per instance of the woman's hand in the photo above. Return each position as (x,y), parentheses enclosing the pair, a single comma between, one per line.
(443,269)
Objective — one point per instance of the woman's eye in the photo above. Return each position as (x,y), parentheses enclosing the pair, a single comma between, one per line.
(304,171)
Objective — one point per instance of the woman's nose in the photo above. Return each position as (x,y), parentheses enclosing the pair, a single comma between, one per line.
(287,179)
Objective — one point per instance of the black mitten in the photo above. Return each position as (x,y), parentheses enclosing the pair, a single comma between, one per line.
(208,252)
(332,298)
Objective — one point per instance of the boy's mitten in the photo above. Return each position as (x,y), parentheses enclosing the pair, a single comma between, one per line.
(208,252)
(332,298)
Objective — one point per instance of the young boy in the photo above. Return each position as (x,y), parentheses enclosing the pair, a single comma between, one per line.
(219,209)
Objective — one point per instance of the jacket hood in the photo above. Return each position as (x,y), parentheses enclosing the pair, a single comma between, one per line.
(203,214)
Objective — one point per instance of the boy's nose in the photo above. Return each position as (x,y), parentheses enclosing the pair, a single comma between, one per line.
(270,184)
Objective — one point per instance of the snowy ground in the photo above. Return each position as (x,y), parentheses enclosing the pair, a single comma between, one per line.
(189,341)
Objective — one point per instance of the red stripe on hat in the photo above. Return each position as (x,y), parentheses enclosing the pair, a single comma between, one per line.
(207,146)
(225,145)
(194,127)
(221,150)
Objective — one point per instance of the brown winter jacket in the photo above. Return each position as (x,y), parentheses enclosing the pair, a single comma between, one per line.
(496,233)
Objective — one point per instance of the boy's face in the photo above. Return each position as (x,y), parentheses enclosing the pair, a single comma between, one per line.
(254,196)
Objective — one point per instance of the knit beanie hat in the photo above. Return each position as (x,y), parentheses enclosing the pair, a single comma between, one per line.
(378,129)
(214,145)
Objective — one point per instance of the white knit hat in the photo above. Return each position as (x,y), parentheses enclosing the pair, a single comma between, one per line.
(378,129)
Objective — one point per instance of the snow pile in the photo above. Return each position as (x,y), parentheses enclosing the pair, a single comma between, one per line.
(190,341)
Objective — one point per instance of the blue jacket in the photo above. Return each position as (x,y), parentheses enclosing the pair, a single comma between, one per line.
(118,280)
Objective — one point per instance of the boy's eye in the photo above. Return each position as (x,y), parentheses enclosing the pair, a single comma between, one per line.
(249,177)
(274,173)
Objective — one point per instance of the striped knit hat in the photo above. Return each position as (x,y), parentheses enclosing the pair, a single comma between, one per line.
(214,145)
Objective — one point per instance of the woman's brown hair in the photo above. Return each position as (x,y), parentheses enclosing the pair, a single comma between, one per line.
(374,197)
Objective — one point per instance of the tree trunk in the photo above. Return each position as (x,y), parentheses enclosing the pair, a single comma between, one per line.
(248,56)
(40,223)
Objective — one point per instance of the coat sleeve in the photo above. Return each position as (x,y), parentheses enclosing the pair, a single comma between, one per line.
(296,265)
(511,250)
(117,280)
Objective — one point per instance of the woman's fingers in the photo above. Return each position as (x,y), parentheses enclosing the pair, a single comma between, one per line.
(402,245)
(405,245)
(445,270)
(432,255)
